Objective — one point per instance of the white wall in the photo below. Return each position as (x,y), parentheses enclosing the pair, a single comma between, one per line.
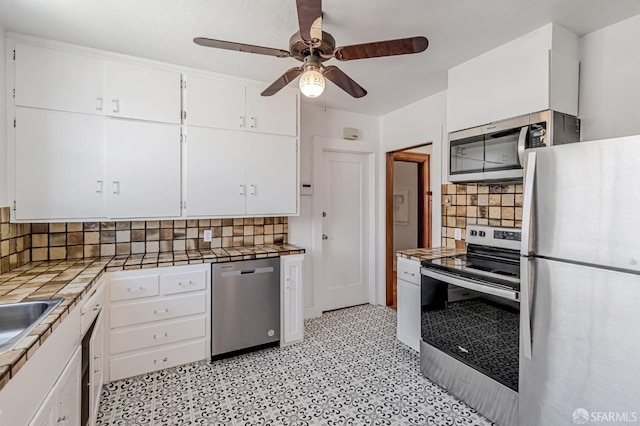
(405,179)
(316,121)
(3,119)
(609,82)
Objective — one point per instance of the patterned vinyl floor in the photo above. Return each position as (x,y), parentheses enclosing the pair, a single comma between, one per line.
(350,370)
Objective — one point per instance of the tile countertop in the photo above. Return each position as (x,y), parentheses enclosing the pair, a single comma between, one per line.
(73,278)
(429,253)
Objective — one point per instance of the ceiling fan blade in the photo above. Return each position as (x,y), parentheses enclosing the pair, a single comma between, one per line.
(280,83)
(310,20)
(378,49)
(343,81)
(239,47)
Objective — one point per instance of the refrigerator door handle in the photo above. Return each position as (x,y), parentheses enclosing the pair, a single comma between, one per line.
(526,304)
(522,143)
(526,246)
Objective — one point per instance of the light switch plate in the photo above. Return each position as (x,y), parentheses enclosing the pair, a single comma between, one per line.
(207,235)
(457,234)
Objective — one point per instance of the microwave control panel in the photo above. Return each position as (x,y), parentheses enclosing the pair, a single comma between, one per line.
(537,135)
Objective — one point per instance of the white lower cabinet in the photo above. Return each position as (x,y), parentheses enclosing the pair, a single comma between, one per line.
(62,405)
(292,322)
(158,318)
(408,285)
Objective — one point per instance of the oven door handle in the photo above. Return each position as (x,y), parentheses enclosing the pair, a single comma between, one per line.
(471,285)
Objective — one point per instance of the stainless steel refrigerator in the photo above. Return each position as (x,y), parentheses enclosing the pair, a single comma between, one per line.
(580,284)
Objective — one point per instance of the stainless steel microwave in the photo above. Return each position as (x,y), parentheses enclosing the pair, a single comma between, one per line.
(495,152)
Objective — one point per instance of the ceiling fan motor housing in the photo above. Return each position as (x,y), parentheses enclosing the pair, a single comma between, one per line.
(300,50)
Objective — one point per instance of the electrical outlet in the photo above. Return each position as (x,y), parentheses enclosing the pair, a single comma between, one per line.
(457,234)
(207,235)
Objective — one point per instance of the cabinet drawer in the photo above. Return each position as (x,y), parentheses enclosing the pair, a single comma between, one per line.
(183,283)
(156,360)
(155,310)
(158,334)
(409,270)
(133,288)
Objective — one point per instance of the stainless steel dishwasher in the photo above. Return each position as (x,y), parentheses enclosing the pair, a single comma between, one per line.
(245,306)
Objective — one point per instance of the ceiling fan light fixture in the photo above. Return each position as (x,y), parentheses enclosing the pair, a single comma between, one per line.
(312,82)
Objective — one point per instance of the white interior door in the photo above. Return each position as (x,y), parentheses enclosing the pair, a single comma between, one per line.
(345,226)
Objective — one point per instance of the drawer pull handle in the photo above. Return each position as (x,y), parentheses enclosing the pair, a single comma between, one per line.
(62,419)
(410,273)
(155,336)
(165,359)
(164,311)
(97,307)
(96,357)
(181,284)
(130,290)
(96,371)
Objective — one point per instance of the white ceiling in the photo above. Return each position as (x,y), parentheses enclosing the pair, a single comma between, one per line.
(163,30)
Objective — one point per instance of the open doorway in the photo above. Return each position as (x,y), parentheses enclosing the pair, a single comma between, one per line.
(408,208)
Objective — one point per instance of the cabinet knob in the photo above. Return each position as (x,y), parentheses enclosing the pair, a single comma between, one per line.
(99,186)
(115,103)
(324,237)
(241,122)
(253,122)
(99,104)
(116,187)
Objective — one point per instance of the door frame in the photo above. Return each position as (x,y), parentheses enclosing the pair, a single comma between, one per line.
(424,209)
(320,146)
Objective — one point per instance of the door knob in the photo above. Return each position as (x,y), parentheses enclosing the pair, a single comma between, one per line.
(324,237)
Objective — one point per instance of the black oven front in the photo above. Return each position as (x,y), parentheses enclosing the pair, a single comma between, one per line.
(475,322)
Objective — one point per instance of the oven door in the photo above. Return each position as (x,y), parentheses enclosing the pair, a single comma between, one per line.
(480,330)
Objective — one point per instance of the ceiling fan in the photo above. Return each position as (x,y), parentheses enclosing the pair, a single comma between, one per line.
(312,46)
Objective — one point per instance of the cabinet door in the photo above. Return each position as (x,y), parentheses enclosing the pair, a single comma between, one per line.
(144,169)
(96,367)
(271,164)
(215,172)
(60,167)
(143,93)
(468,102)
(277,114)
(46,413)
(68,391)
(52,79)
(520,87)
(292,306)
(409,314)
(215,103)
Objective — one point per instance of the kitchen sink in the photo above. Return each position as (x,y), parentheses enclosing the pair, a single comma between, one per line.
(18,319)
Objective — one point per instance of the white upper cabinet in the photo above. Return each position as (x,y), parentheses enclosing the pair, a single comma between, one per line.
(271,174)
(142,93)
(215,172)
(275,114)
(234,106)
(535,72)
(53,79)
(143,170)
(232,173)
(60,165)
(215,103)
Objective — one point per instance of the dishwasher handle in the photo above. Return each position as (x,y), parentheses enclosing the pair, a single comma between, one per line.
(247,272)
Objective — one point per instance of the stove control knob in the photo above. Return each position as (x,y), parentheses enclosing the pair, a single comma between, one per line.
(473,233)
(482,233)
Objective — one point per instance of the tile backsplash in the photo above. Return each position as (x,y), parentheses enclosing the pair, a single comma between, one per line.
(495,205)
(22,243)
